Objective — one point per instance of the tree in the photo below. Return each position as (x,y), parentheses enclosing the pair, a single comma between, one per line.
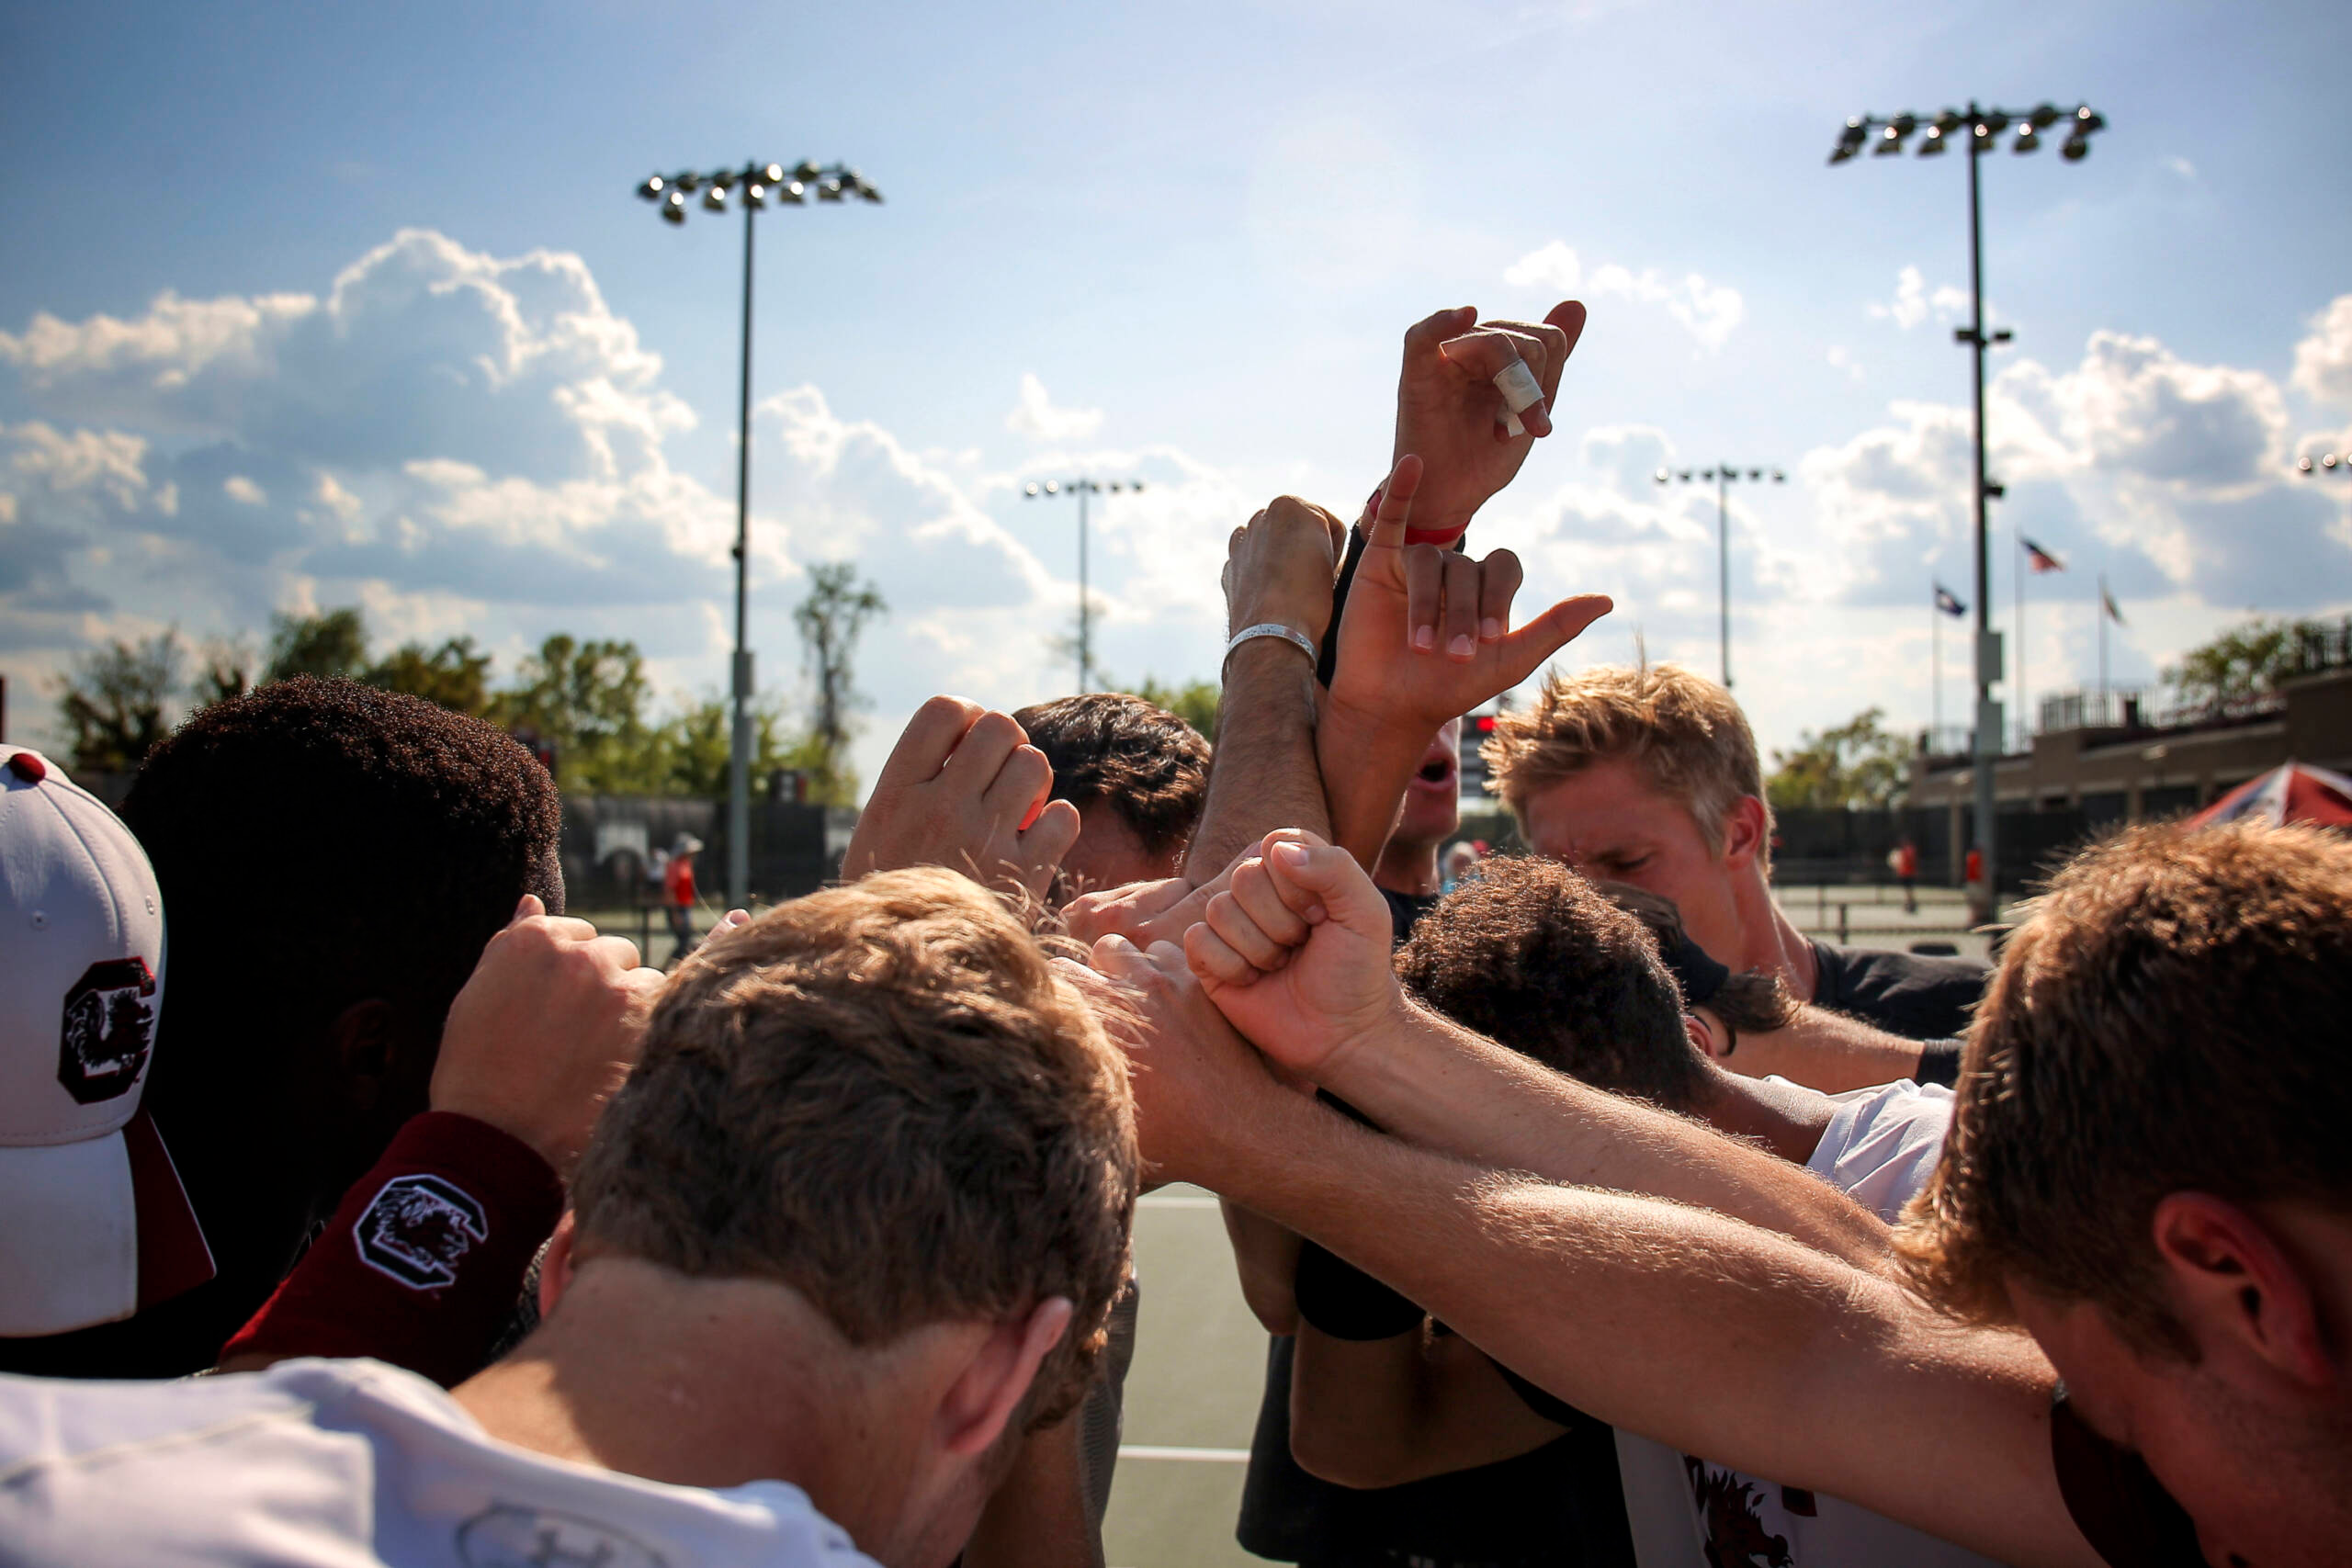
(334,643)
(830,619)
(114,702)
(453,674)
(1195,702)
(588,700)
(1857,764)
(2242,663)
(693,748)
(227,672)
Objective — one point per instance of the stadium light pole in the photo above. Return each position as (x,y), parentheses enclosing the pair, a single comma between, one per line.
(760,182)
(1722,474)
(1983,127)
(1081,488)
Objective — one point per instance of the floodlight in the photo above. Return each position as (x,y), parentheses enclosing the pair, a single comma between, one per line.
(1032,488)
(807,171)
(2043,117)
(722,181)
(828,190)
(1889,140)
(1995,122)
(1779,478)
(1686,473)
(1755,476)
(2028,139)
(2304,464)
(793,192)
(1053,487)
(688,182)
(1931,141)
(673,206)
(755,194)
(1663,476)
(2328,461)
(773,175)
(1850,141)
(2075,150)
(715,198)
(651,189)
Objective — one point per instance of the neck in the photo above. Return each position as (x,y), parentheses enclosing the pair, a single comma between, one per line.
(1409,867)
(1766,938)
(710,1383)
(1787,1119)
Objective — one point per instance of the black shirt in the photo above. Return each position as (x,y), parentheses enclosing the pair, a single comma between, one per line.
(2122,1509)
(1910,994)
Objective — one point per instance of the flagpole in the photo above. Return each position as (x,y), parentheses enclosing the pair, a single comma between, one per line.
(2025,700)
(2101,614)
(1934,665)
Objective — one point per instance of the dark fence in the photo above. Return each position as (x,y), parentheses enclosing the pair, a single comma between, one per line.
(609,843)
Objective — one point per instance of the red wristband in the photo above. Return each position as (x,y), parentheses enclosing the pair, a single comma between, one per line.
(1412,536)
(424,1261)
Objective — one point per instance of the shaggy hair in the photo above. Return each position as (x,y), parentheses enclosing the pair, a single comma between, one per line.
(1138,759)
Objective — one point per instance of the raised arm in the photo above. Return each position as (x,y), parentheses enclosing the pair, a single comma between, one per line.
(1296,954)
(1710,1335)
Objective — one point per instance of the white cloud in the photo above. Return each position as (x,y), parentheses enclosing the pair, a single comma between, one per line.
(2181,166)
(238,488)
(1912,303)
(1711,312)
(1839,357)
(2323,359)
(1036,415)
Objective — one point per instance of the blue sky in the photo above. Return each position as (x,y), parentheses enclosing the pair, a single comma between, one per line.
(307,306)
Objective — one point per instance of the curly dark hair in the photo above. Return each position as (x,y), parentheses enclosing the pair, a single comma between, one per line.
(1752,1001)
(1143,761)
(1528,953)
(320,843)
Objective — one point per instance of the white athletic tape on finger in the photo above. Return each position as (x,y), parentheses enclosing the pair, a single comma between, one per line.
(1520,390)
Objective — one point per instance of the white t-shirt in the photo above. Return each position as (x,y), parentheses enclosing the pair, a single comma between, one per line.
(348,1463)
(1880,1148)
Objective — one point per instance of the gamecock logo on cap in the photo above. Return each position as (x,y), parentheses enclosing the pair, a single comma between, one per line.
(505,1536)
(418,1229)
(108,1032)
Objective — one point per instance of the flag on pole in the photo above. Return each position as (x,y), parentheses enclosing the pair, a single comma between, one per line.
(1948,601)
(2041,561)
(2107,602)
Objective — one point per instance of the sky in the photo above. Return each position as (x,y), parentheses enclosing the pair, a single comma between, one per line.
(303,306)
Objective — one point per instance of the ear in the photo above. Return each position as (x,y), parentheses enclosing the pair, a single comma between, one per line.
(555,1268)
(981,1400)
(1703,1038)
(1745,826)
(2233,1283)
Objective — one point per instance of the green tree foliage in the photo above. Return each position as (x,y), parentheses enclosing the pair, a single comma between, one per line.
(589,700)
(115,701)
(693,748)
(2244,662)
(334,643)
(227,672)
(830,620)
(1857,764)
(1194,702)
(453,674)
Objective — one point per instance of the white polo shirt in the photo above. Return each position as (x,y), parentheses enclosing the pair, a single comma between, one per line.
(348,1463)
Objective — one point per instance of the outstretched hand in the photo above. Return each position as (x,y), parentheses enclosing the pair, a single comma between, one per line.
(965,789)
(1450,414)
(1294,952)
(1426,634)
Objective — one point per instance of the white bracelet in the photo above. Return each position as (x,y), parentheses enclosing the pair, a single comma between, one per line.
(1291,634)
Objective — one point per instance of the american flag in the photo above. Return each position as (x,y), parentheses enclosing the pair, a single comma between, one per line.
(2041,561)
(1948,601)
(2107,602)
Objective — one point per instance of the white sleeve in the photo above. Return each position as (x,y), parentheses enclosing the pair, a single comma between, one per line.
(1883,1144)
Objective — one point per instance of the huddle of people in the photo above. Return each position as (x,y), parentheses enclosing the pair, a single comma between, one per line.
(377,1211)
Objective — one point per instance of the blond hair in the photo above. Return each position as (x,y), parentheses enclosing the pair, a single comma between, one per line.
(882,1096)
(1684,733)
(2163,1022)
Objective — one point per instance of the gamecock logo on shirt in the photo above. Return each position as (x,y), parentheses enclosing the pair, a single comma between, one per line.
(505,1536)
(418,1229)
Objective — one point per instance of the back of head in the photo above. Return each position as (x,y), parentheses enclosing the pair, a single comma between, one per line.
(882,1096)
(1144,763)
(1684,732)
(321,842)
(1752,1000)
(1528,953)
(2162,1022)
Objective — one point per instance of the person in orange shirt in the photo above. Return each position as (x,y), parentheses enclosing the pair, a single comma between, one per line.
(678,894)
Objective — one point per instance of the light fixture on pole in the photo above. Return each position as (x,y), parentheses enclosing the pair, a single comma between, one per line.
(1081,488)
(1981,128)
(760,184)
(1722,476)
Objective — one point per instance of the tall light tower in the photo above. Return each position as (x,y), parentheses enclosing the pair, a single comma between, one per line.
(760,184)
(1982,128)
(1723,475)
(1080,487)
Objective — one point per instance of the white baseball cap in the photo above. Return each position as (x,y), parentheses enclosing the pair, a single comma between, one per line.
(93,1222)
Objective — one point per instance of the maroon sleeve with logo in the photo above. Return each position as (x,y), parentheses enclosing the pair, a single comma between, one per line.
(423,1263)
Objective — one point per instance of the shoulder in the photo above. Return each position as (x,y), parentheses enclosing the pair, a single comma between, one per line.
(1915,994)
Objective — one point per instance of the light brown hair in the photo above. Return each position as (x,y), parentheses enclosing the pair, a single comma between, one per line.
(2162,1022)
(1144,763)
(1684,733)
(882,1096)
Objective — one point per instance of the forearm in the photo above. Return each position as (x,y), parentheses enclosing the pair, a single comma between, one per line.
(1263,775)
(1825,1051)
(1431,1083)
(1384,1411)
(1815,1374)
(1365,764)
